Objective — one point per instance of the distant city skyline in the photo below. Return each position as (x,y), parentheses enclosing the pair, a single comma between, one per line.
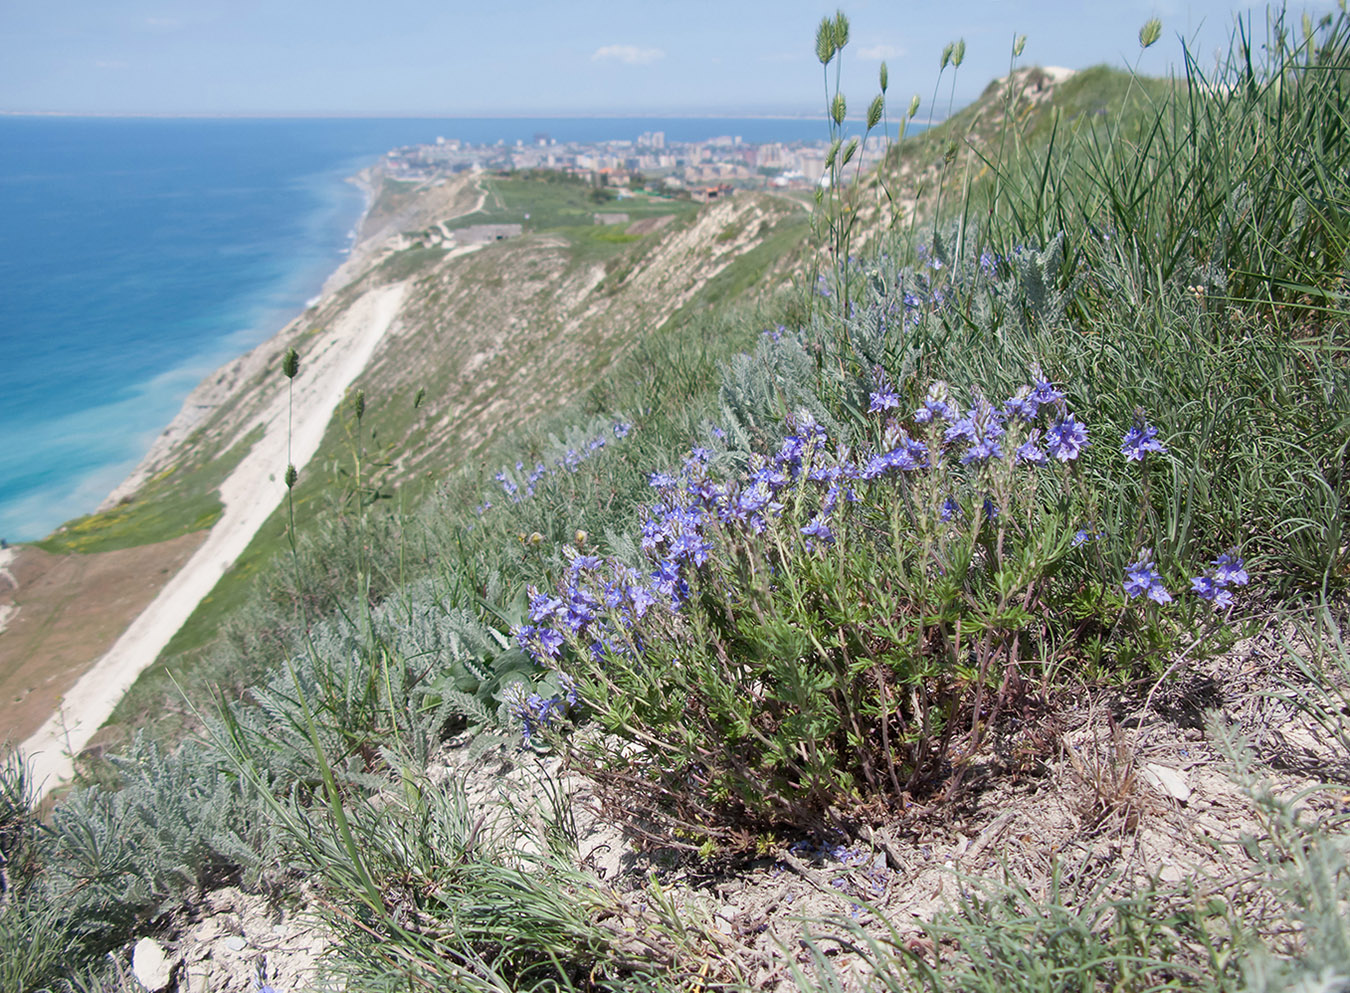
(423,58)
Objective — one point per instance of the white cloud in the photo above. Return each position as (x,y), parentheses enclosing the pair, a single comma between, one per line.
(878,52)
(629,54)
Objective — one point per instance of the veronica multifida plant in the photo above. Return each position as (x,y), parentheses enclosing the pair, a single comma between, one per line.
(828,625)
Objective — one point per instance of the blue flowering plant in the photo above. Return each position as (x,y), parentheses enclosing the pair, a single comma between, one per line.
(824,625)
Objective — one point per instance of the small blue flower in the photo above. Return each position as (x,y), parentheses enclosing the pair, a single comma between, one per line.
(539,643)
(1021,404)
(819,529)
(1141,578)
(1029,451)
(1140,439)
(543,607)
(1066,439)
(532,709)
(1229,571)
(936,404)
(1207,588)
(550,643)
(621,429)
(569,688)
(642,598)
(982,451)
(884,396)
(582,607)
(584,563)
(526,636)
(962,429)
(1043,390)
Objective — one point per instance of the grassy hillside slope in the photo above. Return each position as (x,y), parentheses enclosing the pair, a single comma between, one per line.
(971,618)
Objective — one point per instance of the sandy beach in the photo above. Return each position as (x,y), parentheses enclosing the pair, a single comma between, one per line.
(250,495)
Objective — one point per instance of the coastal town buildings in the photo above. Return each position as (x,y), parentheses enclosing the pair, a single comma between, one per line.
(708,169)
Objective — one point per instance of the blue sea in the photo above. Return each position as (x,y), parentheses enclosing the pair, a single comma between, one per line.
(137,255)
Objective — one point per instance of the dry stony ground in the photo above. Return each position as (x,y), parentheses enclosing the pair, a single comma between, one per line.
(1115,796)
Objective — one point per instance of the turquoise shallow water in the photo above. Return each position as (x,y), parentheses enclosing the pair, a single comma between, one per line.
(136,255)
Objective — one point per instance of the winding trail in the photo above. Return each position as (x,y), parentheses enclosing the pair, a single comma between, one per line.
(250,495)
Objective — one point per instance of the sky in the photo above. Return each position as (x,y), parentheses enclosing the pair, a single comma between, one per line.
(555,57)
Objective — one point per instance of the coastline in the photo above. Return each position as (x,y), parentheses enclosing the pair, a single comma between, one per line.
(333,359)
(337,338)
(226,380)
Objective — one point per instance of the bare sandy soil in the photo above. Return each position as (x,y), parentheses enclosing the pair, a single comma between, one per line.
(63,612)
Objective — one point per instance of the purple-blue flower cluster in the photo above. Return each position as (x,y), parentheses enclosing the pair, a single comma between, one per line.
(535,711)
(1214,585)
(1140,439)
(600,605)
(983,427)
(518,484)
(1142,579)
